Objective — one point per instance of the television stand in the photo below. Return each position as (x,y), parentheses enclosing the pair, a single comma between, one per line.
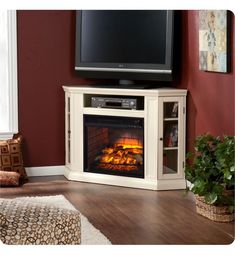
(157,128)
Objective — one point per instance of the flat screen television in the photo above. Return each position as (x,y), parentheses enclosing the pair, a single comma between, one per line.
(127,45)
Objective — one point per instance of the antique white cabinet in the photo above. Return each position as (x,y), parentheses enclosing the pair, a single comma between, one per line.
(164,113)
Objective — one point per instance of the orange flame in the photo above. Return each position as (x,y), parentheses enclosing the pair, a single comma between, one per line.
(125,155)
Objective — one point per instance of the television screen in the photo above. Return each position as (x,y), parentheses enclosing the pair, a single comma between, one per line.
(134,44)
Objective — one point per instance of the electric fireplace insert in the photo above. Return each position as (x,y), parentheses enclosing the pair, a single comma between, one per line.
(114,145)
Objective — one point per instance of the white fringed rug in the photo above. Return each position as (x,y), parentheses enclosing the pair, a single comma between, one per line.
(89,234)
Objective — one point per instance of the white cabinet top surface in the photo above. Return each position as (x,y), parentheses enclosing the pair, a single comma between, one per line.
(125,91)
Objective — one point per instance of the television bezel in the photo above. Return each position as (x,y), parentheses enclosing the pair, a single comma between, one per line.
(132,71)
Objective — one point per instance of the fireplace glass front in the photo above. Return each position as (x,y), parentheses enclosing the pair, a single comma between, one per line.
(114,145)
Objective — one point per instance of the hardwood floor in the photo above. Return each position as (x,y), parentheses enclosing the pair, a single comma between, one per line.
(132,216)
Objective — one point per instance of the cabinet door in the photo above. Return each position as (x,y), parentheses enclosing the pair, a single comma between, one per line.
(67,130)
(171,138)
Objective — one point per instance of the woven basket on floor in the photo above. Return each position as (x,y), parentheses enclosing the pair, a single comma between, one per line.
(212,212)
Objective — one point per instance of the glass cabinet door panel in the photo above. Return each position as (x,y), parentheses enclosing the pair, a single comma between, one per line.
(170,161)
(170,110)
(68,132)
(170,137)
(170,134)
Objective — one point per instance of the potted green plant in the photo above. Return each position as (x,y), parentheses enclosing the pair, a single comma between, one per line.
(211,170)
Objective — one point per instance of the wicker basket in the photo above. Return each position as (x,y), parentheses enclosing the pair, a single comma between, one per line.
(212,212)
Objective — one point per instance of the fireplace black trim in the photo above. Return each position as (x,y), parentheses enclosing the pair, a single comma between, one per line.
(112,122)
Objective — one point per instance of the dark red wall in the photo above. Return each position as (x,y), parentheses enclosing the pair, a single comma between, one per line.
(46,62)
(210,95)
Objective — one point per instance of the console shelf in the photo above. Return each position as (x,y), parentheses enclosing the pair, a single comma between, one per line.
(170,148)
(113,112)
(170,119)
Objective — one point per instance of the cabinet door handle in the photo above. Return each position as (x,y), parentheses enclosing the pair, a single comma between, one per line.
(161,139)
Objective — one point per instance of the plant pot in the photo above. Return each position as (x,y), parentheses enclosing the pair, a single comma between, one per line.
(213,212)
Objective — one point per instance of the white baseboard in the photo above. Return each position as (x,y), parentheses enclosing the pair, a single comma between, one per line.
(45,170)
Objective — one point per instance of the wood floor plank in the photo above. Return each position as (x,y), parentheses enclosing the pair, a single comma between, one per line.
(132,216)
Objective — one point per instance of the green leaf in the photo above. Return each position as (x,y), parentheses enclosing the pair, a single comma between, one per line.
(189,155)
(227,175)
(210,198)
(199,187)
(232,169)
(217,189)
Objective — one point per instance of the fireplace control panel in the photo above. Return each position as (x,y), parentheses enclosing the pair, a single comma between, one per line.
(114,102)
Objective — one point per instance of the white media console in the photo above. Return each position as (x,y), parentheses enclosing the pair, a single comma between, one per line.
(163,113)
